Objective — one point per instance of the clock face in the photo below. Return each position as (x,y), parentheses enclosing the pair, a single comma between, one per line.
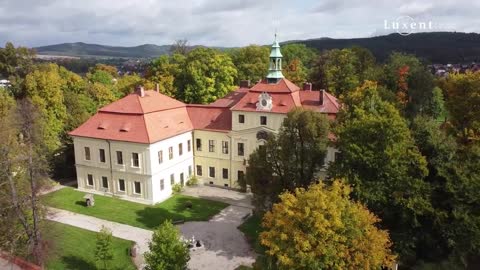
(264,102)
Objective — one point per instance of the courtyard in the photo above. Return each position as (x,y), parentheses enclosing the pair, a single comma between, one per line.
(214,219)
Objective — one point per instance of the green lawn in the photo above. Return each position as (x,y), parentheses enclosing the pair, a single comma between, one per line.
(135,214)
(252,228)
(73,248)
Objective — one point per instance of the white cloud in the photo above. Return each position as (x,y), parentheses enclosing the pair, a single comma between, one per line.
(214,22)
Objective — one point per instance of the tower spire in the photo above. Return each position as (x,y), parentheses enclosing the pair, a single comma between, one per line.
(275,69)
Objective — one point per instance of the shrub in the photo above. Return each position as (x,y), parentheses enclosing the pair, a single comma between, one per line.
(177,188)
(193,181)
(189,204)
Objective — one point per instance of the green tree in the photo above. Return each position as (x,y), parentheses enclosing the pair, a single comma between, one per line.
(15,64)
(103,246)
(321,228)
(167,250)
(366,64)
(295,72)
(290,160)
(412,82)
(44,86)
(380,160)
(164,71)
(251,62)
(463,99)
(206,76)
(300,52)
(340,71)
(127,83)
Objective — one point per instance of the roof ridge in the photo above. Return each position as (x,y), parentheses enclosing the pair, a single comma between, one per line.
(335,102)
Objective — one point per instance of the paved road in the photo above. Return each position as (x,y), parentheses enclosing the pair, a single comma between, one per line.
(220,194)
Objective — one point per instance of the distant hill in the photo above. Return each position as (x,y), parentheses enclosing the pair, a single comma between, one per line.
(94,50)
(435,47)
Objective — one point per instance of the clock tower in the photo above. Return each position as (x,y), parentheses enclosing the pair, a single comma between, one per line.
(275,69)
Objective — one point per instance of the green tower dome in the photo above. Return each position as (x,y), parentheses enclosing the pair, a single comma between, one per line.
(275,69)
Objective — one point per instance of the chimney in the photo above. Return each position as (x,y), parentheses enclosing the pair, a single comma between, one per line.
(307,86)
(157,88)
(245,84)
(141,91)
(322,97)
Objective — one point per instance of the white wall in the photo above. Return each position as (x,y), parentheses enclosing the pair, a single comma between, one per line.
(148,173)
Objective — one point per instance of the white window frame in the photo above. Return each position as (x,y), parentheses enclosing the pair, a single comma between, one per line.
(124,185)
(93,180)
(140,185)
(138,158)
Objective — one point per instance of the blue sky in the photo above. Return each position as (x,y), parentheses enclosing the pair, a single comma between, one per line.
(219,22)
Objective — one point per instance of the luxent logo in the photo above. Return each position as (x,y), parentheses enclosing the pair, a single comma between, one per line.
(406,25)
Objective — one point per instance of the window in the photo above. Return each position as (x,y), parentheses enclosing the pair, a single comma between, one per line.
(211,182)
(225,185)
(225,147)
(240,175)
(170,152)
(241,118)
(263,120)
(182,179)
(240,149)
(225,173)
(119,158)
(135,161)
(211,146)
(102,155)
(160,157)
(87,153)
(336,156)
(189,170)
(172,179)
(104,182)
(90,180)
(180,149)
(211,172)
(121,185)
(199,170)
(162,184)
(189,145)
(199,144)
(137,189)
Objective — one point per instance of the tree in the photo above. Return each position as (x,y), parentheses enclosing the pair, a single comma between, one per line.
(462,100)
(206,76)
(380,160)
(251,62)
(295,72)
(340,71)
(411,82)
(164,71)
(23,171)
(44,86)
(180,47)
(103,246)
(127,83)
(167,249)
(321,228)
(300,52)
(290,160)
(15,64)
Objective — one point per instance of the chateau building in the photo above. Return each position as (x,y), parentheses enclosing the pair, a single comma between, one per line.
(138,147)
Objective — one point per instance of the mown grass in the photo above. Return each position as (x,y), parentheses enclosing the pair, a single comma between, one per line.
(135,214)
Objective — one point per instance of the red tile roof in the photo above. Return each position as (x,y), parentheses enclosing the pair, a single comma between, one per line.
(151,102)
(147,119)
(207,117)
(282,86)
(155,117)
(311,100)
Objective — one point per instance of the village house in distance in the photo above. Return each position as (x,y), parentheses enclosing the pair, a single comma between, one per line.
(141,145)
